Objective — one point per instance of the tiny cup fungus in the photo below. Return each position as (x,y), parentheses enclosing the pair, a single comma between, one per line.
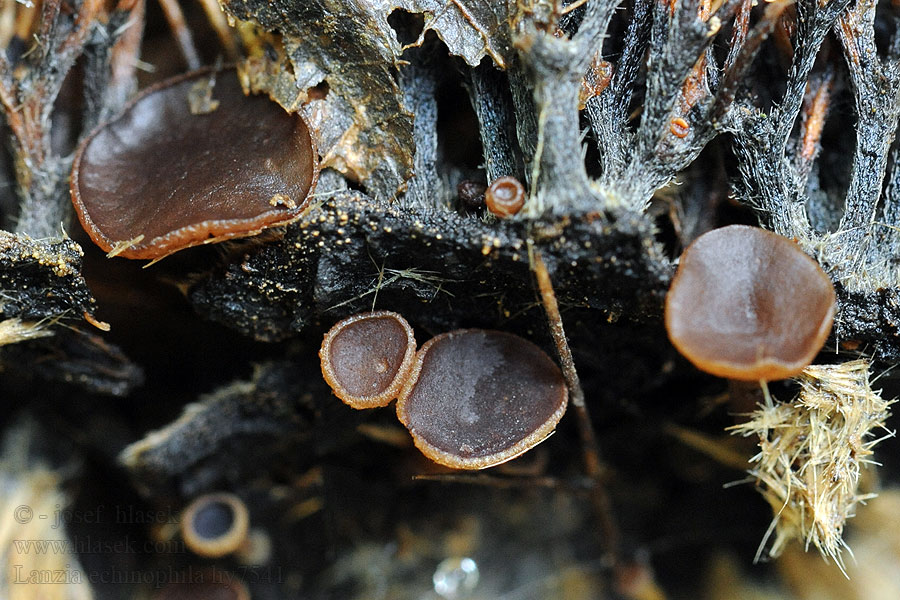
(204,585)
(166,175)
(215,525)
(679,127)
(748,304)
(366,358)
(477,398)
(505,196)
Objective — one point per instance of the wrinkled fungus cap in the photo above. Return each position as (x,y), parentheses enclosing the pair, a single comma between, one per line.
(478,398)
(366,358)
(159,178)
(214,525)
(748,304)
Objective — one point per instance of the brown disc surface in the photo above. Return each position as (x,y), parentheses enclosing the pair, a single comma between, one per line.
(157,178)
(366,358)
(477,398)
(749,304)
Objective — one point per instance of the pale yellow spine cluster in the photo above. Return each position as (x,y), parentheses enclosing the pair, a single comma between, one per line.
(811,453)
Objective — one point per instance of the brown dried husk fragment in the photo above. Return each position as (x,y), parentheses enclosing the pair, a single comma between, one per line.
(364,129)
(811,453)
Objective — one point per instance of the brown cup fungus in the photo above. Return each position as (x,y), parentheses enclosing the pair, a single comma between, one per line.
(505,196)
(477,398)
(367,357)
(167,173)
(748,304)
(215,525)
(204,585)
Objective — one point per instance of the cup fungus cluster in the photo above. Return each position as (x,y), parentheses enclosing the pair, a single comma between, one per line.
(471,399)
(748,304)
(172,172)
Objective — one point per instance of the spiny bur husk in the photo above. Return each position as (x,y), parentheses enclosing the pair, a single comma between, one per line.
(811,452)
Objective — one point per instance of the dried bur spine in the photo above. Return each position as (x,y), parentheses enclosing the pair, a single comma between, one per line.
(811,453)
(471,398)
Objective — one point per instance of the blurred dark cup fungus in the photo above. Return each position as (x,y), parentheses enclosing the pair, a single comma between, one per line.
(748,304)
(471,195)
(477,398)
(366,358)
(215,525)
(204,585)
(170,172)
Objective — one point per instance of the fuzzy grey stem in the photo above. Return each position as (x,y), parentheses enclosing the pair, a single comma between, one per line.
(562,183)
(892,192)
(109,65)
(559,180)
(877,91)
(526,114)
(45,208)
(608,112)
(425,191)
(768,180)
(495,118)
(875,133)
(813,24)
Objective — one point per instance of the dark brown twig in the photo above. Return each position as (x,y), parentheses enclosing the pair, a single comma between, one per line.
(594,467)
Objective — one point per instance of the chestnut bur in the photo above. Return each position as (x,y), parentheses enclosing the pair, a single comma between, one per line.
(748,304)
(366,358)
(477,398)
(166,175)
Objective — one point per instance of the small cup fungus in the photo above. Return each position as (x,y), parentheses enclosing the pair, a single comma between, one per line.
(748,304)
(505,196)
(166,174)
(366,358)
(477,398)
(204,585)
(215,525)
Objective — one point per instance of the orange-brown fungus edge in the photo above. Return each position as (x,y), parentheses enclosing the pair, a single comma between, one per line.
(729,277)
(384,397)
(505,196)
(455,461)
(122,233)
(215,547)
